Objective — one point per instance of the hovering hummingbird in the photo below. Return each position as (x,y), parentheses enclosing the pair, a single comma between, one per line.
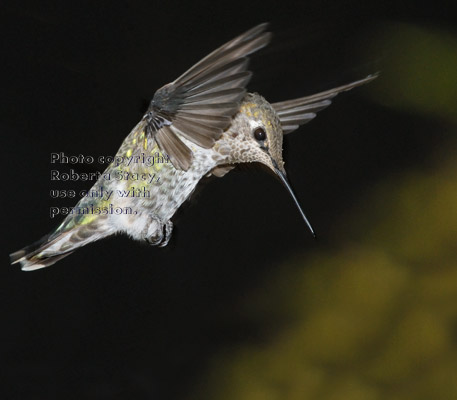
(204,123)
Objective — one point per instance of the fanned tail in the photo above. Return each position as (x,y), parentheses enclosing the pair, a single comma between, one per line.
(52,248)
(30,257)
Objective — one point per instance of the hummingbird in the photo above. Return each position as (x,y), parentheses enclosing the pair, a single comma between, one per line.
(202,124)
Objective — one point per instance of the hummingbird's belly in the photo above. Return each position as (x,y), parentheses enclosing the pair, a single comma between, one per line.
(160,197)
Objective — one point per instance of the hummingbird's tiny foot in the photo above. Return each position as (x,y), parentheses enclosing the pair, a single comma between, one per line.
(153,232)
(158,233)
(167,229)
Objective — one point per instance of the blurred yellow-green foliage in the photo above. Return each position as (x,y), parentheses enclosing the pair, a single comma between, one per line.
(376,317)
(419,72)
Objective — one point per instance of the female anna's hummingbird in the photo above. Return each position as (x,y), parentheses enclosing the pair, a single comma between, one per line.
(203,123)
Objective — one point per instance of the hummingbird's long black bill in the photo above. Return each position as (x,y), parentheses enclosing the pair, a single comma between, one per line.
(284,180)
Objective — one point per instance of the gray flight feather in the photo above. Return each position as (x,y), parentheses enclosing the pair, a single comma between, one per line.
(199,104)
(296,112)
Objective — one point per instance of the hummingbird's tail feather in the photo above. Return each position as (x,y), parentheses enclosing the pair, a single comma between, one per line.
(52,248)
(37,255)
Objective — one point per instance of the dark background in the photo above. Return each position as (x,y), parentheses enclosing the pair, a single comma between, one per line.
(118,319)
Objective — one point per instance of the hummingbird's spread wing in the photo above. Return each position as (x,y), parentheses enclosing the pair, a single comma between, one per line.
(296,112)
(200,104)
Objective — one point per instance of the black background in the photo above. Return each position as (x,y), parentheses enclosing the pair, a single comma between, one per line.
(119,319)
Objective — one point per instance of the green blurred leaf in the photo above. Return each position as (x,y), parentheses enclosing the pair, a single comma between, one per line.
(419,70)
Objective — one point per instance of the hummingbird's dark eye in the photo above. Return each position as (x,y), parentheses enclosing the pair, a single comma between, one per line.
(259,134)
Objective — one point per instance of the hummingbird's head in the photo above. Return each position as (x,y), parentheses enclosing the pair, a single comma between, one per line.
(256,135)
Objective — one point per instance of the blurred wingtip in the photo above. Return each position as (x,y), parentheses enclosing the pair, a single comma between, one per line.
(373,76)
